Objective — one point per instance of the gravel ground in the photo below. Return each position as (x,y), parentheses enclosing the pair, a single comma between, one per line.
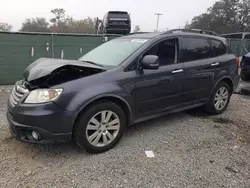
(191,150)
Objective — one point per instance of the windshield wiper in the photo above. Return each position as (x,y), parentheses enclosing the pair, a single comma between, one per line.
(93,63)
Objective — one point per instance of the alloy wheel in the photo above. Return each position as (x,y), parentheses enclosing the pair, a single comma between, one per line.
(103,128)
(221,98)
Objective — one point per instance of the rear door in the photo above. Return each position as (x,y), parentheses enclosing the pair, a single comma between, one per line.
(200,67)
(224,59)
(228,65)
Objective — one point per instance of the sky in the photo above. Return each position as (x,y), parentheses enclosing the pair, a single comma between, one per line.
(175,12)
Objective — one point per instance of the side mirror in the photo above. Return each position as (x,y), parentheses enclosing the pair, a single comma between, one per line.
(150,62)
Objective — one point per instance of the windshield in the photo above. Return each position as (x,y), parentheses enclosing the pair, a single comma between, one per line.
(114,52)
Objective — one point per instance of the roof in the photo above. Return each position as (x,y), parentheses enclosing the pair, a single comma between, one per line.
(197,34)
(145,35)
(151,35)
(117,12)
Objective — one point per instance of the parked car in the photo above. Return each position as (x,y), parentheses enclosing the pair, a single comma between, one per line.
(124,81)
(116,22)
(245,67)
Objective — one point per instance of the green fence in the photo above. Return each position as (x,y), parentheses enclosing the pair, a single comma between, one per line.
(240,47)
(18,50)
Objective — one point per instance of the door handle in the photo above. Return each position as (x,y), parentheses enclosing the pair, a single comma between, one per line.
(214,64)
(177,71)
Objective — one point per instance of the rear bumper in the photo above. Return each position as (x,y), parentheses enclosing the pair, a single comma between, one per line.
(49,121)
(118,29)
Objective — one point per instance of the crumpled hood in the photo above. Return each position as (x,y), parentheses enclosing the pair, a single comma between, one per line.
(46,66)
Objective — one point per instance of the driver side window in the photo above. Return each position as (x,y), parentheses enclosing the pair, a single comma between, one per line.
(166,50)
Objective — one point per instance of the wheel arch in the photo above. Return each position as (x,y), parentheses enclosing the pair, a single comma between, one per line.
(110,97)
(226,79)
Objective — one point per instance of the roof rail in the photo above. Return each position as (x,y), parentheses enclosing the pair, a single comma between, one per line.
(137,33)
(192,31)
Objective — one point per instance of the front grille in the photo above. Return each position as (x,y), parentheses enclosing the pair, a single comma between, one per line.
(17,93)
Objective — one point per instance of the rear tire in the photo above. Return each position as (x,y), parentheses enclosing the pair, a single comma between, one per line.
(219,99)
(100,127)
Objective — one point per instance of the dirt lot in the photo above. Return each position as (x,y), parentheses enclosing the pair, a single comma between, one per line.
(191,150)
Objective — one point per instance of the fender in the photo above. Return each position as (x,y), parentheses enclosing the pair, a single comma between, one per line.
(218,81)
(85,104)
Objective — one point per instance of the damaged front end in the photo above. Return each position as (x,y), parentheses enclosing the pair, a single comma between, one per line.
(32,114)
(45,72)
(62,75)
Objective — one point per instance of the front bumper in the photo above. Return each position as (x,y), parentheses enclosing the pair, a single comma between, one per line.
(49,121)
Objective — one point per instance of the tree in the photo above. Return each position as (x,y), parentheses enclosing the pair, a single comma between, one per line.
(60,23)
(85,26)
(35,25)
(59,16)
(65,24)
(187,25)
(224,16)
(69,25)
(5,26)
(137,29)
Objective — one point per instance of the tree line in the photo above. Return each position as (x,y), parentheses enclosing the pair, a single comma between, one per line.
(59,23)
(225,16)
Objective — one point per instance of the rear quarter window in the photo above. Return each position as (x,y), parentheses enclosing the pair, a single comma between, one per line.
(218,47)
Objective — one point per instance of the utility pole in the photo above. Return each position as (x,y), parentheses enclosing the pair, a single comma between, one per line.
(158,17)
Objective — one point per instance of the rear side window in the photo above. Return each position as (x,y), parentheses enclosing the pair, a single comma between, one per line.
(218,47)
(196,49)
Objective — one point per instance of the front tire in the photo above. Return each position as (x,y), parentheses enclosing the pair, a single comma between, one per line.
(219,99)
(100,127)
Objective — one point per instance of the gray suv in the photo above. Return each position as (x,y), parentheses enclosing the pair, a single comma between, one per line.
(124,81)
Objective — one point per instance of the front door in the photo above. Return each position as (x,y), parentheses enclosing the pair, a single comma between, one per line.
(158,90)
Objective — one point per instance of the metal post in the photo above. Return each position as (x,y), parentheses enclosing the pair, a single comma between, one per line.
(158,17)
(52,45)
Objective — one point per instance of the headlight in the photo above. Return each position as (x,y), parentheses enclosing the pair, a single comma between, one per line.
(43,95)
